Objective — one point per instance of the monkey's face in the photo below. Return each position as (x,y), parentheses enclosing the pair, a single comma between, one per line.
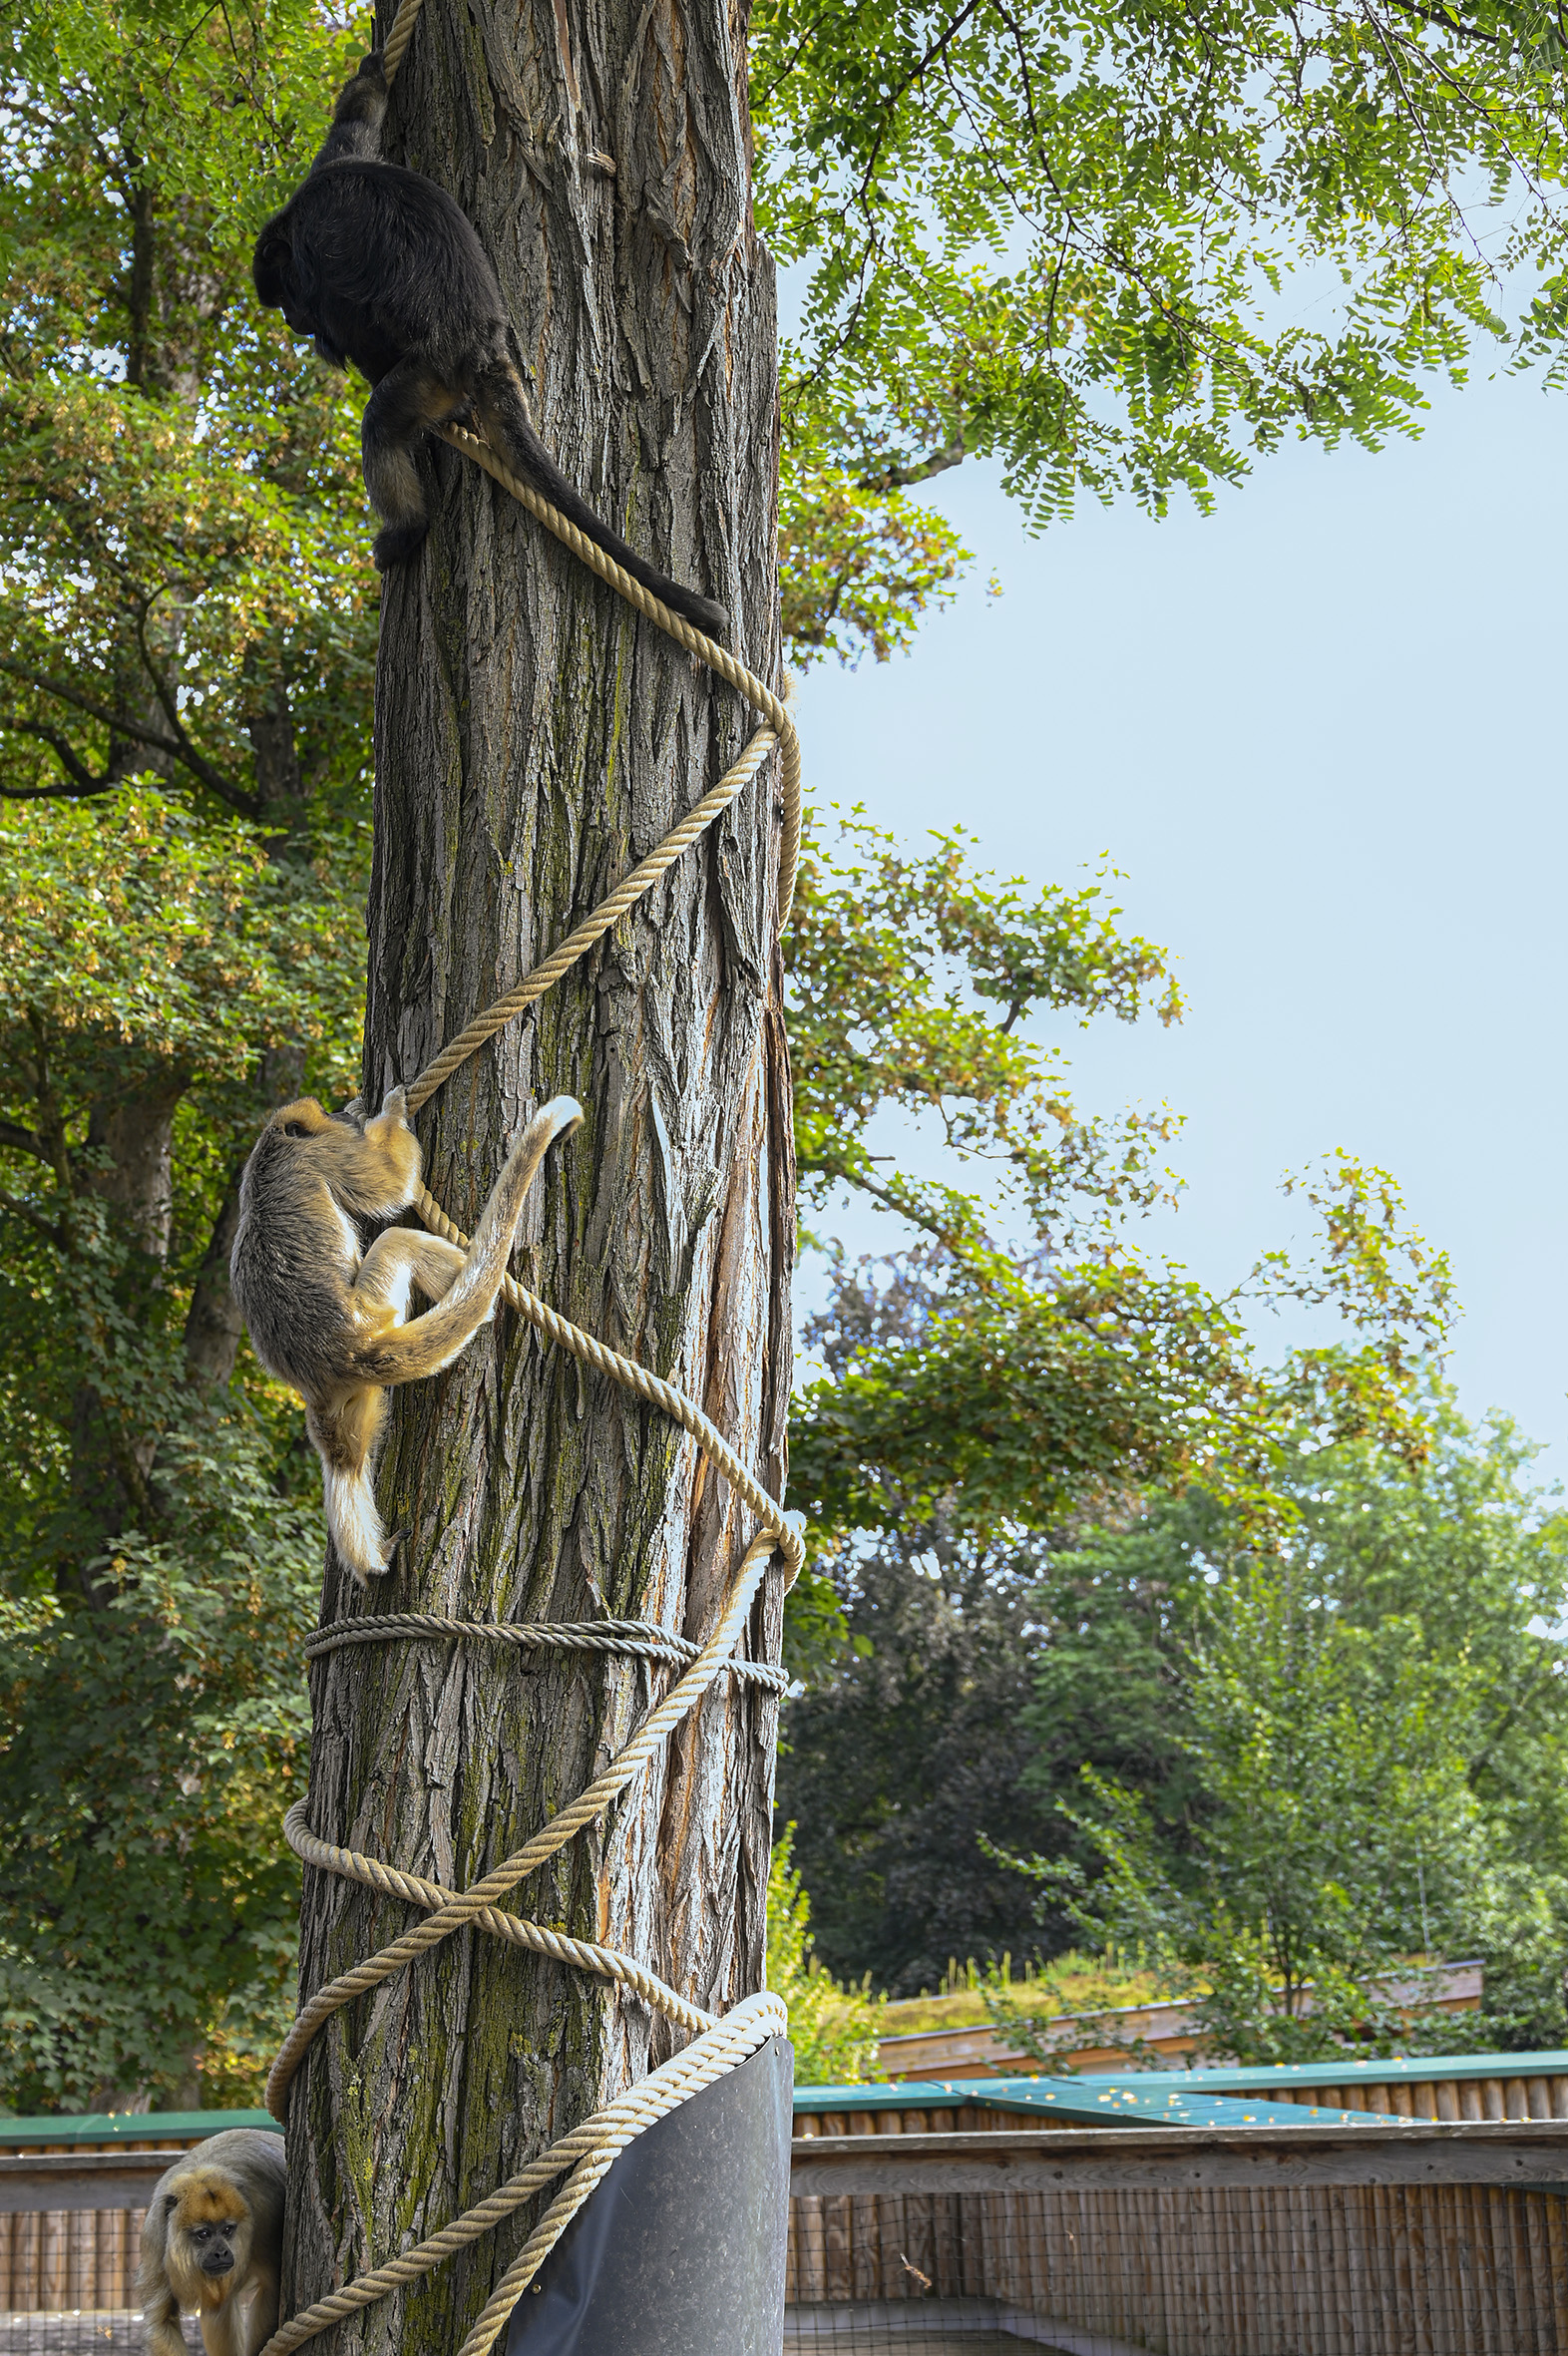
(214,2245)
(274,271)
(210,2237)
(306,1119)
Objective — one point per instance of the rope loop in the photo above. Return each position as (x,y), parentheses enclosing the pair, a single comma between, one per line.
(640,1640)
(718,2045)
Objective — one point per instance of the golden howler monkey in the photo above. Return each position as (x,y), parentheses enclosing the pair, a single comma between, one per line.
(334,1319)
(383,269)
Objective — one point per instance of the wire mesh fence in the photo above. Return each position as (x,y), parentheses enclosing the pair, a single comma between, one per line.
(977,2328)
(67,2282)
(75,2333)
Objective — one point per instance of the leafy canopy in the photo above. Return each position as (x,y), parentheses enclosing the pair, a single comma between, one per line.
(1126,250)
(150,1745)
(1020,1355)
(1341,1833)
(181,520)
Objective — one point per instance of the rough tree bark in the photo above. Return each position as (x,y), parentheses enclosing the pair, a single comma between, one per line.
(534,739)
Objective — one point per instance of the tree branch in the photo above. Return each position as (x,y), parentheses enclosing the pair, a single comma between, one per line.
(200,768)
(890,1200)
(34,1219)
(895,97)
(898,478)
(166,700)
(22,1140)
(1446,23)
(82,783)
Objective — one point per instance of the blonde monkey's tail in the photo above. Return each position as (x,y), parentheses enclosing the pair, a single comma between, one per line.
(432,1342)
(345,1433)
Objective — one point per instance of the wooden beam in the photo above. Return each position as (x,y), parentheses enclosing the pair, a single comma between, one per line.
(1167,2159)
(79,2180)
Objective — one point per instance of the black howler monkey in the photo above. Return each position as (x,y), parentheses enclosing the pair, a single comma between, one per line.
(383,269)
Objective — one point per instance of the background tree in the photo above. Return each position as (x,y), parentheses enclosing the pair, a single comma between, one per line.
(1064,244)
(894,1760)
(1365,1704)
(1019,1357)
(832,2029)
(183,646)
(1339,1836)
(160,1534)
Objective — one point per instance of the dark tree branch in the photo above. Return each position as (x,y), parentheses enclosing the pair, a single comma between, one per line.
(200,768)
(166,700)
(892,1200)
(34,1219)
(896,97)
(898,478)
(22,1140)
(1446,23)
(862,198)
(79,784)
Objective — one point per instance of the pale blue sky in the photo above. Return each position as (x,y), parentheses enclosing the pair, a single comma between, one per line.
(1319,731)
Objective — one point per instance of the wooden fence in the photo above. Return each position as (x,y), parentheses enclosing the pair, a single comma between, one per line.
(976,2049)
(1416,2241)
(969,2227)
(70,2219)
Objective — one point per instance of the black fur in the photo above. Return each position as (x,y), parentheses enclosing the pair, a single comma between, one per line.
(382,267)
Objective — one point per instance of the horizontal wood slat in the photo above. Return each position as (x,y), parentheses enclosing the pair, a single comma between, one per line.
(95,2181)
(71,2220)
(1173,2158)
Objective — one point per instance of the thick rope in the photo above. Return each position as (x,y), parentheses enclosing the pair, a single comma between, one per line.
(646,1384)
(458,1912)
(720,2045)
(578,943)
(744,2030)
(641,1640)
(608,1961)
(395,48)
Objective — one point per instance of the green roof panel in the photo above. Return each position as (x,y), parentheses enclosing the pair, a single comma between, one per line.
(1097,2101)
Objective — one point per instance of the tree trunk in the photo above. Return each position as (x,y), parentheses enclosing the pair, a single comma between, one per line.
(131,1142)
(213,1324)
(534,739)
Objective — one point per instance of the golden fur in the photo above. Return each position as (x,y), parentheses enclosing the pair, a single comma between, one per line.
(212,2242)
(332,1318)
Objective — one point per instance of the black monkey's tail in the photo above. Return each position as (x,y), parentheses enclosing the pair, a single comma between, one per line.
(500,402)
